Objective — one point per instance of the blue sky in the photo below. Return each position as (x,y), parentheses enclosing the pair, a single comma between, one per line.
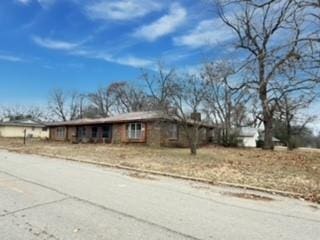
(83,44)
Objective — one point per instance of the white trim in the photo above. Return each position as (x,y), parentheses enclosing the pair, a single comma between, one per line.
(61,132)
(135,130)
(173,131)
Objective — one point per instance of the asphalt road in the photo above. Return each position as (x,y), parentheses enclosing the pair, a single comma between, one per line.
(43,198)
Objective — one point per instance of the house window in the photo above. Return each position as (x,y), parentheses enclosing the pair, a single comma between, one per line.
(44,129)
(173,131)
(106,132)
(134,130)
(204,133)
(60,132)
(33,128)
(82,132)
(94,132)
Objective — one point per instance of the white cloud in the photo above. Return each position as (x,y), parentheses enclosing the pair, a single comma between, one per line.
(164,25)
(207,33)
(134,62)
(43,3)
(129,60)
(10,58)
(77,50)
(25,2)
(54,44)
(121,9)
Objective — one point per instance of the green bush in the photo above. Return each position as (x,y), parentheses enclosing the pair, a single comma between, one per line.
(231,141)
(260,143)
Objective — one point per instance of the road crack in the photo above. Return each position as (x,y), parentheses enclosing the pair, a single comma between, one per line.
(33,206)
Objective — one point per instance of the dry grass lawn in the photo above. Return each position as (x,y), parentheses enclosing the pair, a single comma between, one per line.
(297,171)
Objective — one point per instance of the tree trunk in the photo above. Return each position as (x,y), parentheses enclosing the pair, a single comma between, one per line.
(194,140)
(267,113)
(193,149)
(228,118)
(268,124)
(289,141)
(268,133)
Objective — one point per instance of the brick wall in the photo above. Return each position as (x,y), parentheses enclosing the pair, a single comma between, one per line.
(117,133)
(167,141)
(72,131)
(54,136)
(153,134)
(182,139)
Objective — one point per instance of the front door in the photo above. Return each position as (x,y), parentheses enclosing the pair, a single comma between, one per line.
(81,133)
(106,133)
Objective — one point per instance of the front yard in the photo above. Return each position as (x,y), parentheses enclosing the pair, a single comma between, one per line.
(297,171)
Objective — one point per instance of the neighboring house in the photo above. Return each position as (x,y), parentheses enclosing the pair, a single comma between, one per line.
(16,129)
(248,136)
(150,128)
(276,141)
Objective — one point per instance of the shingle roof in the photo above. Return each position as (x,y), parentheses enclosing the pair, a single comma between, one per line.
(125,117)
(274,139)
(23,123)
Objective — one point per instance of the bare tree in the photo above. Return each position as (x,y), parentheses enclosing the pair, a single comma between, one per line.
(291,112)
(19,112)
(127,98)
(65,106)
(187,99)
(224,104)
(160,87)
(312,6)
(273,37)
(102,100)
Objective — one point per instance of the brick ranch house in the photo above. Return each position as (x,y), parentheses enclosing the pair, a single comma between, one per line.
(149,128)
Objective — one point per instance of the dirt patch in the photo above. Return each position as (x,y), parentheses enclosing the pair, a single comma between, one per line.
(250,196)
(140,176)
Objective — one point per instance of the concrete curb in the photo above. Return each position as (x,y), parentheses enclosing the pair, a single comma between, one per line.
(166,174)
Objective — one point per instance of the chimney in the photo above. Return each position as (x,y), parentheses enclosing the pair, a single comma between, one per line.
(196,116)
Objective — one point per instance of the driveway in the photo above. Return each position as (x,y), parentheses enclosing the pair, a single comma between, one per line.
(45,198)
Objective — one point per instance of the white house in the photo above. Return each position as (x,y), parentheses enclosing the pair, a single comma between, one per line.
(17,129)
(248,136)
